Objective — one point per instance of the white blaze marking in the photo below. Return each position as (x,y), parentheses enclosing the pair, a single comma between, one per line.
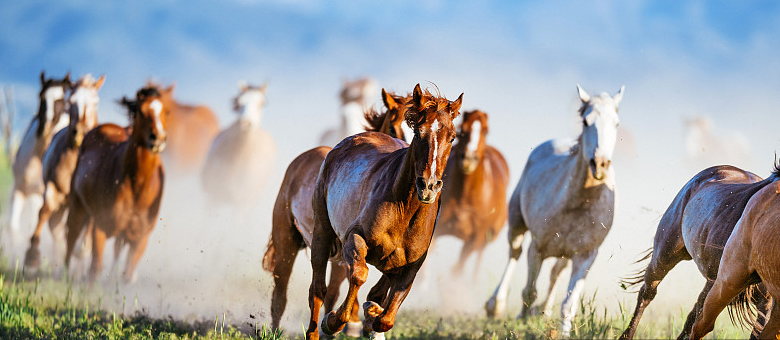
(476,134)
(156,106)
(434,130)
(53,94)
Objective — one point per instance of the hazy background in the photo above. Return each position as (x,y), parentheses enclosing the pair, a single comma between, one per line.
(518,61)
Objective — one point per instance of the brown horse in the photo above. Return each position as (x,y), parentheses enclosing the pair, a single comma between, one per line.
(191,129)
(696,226)
(118,182)
(28,165)
(750,256)
(60,161)
(473,202)
(376,202)
(293,217)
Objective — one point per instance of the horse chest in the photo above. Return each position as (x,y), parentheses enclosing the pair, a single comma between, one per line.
(572,230)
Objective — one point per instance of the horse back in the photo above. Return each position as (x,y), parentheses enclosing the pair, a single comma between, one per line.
(704,213)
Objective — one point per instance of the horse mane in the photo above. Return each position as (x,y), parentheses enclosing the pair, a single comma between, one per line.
(87,80)
(376,119)
(140,96)
(436,101)
(776,168)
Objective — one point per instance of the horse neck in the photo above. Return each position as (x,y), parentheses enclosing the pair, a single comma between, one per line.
(403,188)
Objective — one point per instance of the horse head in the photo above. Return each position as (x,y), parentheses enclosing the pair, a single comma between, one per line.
(83,105)
(431,119)
(470,148)
(599,130)
(52,103)
(249,104)
(150,118)
(389,122)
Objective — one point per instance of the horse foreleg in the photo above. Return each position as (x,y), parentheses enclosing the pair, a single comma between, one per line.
(119,245)
(400,284)
(694,313)
(496,305)
(98,242)
(354,252)
(549,300)
(133,257)
(376,298)
(529,292)
(580,266)
(337,275)
(17,206)
(32,258)
(465,252)
(77,218)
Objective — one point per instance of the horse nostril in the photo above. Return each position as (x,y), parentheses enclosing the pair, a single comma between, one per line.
(152,136)
(420,183)
(438,184)
(593,163)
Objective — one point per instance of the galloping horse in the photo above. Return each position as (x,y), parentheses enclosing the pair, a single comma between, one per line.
(696,226)
(474,199)
(750,256)
(241,157)
(191,129)
(293,217)
(28,165)
(376,201)
(118,182)
(60,161)
(354,100)
(566,199)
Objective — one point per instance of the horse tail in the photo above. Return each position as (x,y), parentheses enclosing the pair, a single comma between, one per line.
(638,276)
(743,310)
(269,259)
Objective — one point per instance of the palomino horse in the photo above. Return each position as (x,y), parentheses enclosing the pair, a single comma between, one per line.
(293,217)
(566,199)
(696,226)
(376,201)
(191,129)
(354,100)
(474,199)
(241,157)
(60,161)
(28,166)
(750,256)
(118,182)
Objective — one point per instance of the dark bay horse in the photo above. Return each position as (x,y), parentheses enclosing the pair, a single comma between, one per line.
(696,226)
(60,161)
(751,255)
(191,129)
(474,200)
(293,217)
(28,165)
(375,202)
(566,199)
(118,182)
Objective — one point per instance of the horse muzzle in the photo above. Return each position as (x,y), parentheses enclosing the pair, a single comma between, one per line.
(427,191)
(156,143)
(599,166)
(469,163)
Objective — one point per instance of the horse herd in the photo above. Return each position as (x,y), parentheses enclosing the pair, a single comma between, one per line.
(375,199)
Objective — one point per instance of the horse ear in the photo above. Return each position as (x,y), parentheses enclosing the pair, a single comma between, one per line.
(67,79)
(43,77)
(242,85)
(417,96)
(619,96)
(389,101)
(584,96)
(170,88)
(263,87)
(99,82)
(455,106)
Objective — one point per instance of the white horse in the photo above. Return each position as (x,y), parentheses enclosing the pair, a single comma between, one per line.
(52,117)
(241,157)
(354,102)
(566,199)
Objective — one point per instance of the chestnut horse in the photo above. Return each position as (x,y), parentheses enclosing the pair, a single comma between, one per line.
(52,116)
(118,182)
(376,201)
(60,161)
(750,256)
(474,200)
(566,199)
(293,217)
(354,100)
(191,129)
(241,157)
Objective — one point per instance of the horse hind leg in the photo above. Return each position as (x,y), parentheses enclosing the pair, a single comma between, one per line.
(696,311)
(496,305)
(529,292)
(772,328)
(322,241)
(77,219)
(722,292)
(285,248)
(137,249)
(549,300)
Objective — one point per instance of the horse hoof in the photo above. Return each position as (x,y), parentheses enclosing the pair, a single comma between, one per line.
(354,329)
(372,309)
(494,308)
(32,259)
(324,324)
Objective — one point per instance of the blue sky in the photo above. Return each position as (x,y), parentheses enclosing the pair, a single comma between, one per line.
(517,60)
